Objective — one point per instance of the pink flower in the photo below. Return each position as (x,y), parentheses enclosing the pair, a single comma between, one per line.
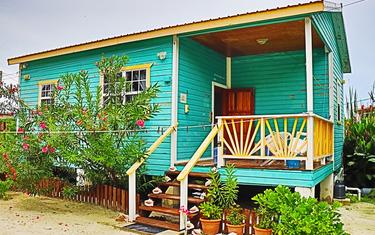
(20,130)
(43,125)
(140,123)
(45,149)
(52,150)
(59,87)
(25,146)
(184,210)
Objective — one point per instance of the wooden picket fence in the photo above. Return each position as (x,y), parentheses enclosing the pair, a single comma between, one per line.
(102,195)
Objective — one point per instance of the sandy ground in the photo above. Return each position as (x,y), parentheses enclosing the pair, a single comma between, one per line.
(23,215)
(40,215)
(359,218)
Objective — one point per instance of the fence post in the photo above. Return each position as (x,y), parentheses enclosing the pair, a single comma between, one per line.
(132,196)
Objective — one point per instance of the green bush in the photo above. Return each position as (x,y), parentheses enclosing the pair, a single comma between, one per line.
(235,217)
(359,145)
(4,187)
(210,210)
(293,214)
(69,192)
(104,136)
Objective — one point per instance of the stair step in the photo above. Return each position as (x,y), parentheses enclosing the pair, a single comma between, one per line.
(191,174)
(158,223)
(165,210)
(175,197)
(177,184)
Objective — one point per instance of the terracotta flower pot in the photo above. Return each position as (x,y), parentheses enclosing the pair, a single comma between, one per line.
(261,231)
(210,227)
(238,229)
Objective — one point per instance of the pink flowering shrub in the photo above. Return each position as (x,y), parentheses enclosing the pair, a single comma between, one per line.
(104,140)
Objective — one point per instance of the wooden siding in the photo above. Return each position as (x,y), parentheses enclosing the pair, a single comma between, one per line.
(324,24)
(280,83)
(141,52)
(199,66)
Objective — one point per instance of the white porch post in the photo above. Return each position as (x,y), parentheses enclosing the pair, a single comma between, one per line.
(174,112)
(309,94)
(306,191)
(326,189)
(132,196)
(220,151)
(183,200)
(229,72)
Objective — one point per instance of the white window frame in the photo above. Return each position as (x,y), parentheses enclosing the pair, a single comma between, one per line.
(124,70)
(52,83)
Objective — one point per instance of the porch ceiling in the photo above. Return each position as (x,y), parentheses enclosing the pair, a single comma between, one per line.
(289,36)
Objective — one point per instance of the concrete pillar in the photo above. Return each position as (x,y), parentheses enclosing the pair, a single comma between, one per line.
(306,191)
(326,189)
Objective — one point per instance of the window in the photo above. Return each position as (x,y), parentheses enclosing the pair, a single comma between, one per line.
(137,78)
(46,92)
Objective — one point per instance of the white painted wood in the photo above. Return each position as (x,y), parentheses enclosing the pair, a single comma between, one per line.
(213,108)
(326,189)
(262,137)
(183,200)
(305,191)
(331,87)
(229,72)
(310,143)
(132,196)
(274,116)
(174,111)
(309,65)
(264,157)
(220,154)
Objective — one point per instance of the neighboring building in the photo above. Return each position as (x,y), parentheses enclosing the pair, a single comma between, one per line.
(268,82)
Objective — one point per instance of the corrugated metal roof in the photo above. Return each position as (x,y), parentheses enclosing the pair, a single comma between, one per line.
(163,28)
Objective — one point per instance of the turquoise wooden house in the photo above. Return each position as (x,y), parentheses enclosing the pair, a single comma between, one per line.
(261,90)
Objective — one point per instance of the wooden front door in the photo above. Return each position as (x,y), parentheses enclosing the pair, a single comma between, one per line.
(238,102)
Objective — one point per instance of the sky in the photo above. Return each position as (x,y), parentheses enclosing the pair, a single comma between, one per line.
(28,26)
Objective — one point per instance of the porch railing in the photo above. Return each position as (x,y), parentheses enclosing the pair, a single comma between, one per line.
(275,137)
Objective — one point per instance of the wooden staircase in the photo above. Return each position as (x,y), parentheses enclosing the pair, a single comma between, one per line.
(168,216)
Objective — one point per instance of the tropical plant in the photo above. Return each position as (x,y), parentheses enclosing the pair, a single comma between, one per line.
(359,145)
(104,137)
(229,188)
(223,192)
(4,187)
(289,213)
(69,191)
(235,216)
(210,210)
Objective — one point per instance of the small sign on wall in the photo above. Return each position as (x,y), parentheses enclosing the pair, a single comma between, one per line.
(183,98)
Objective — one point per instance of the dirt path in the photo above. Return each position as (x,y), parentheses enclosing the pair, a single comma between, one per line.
(359,218)
(40,215)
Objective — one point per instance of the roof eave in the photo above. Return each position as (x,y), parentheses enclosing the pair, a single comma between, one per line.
(288,11)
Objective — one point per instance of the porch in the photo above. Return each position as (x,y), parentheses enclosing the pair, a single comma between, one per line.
(269,142)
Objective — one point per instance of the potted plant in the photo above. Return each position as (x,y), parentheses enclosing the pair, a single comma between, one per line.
(265,224)
(220,196)
(235,221)
(267,211)
(211,217)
